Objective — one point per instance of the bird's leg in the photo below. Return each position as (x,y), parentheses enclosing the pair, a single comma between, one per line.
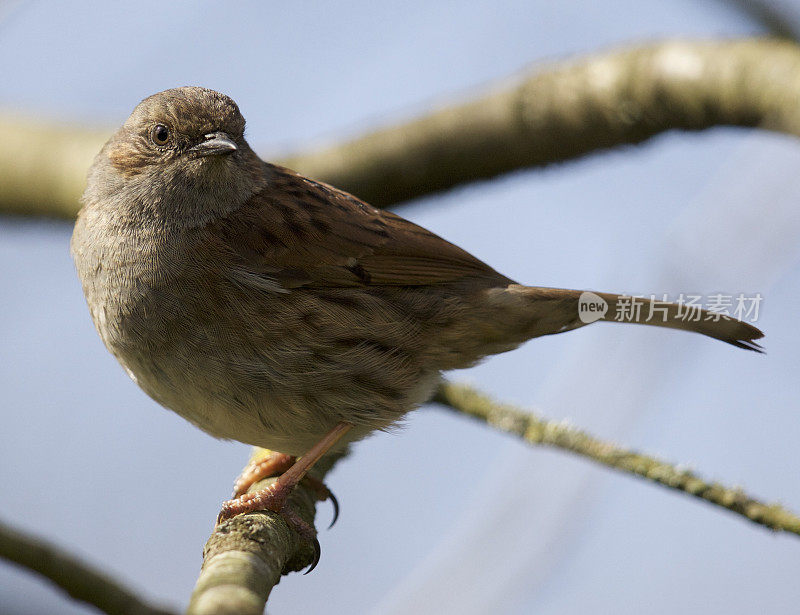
(274,497)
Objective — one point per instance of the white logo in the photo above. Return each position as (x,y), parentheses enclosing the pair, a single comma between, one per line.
(591,307)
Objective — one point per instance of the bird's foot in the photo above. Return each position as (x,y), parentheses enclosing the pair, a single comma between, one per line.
(273,498)
(275,464)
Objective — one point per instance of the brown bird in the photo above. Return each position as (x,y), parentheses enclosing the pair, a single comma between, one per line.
(272,309)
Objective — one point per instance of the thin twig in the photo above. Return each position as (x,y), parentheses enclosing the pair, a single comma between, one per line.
(536,430)
(76,578)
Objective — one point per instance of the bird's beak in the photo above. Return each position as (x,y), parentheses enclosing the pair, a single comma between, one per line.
(215,144)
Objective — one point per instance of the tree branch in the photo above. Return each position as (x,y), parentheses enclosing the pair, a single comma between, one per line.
(536,430)
(547,115)
(77,579)
(570,109)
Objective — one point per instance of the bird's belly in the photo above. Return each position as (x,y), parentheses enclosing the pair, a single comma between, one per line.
(279,388)
(263,413)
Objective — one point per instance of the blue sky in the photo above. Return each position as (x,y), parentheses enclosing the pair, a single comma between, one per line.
(444,516)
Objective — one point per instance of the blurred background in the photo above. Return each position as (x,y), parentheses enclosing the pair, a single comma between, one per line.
(445,516)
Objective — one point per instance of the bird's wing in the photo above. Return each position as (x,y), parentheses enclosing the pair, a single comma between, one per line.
(302,233)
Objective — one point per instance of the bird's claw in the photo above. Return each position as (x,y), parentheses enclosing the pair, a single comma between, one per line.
(335,504)
(317,554)
(323,493)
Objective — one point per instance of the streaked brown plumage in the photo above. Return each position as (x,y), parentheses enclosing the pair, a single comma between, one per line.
(268,308)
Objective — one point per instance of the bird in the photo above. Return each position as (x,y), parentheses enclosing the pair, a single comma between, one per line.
(279,311)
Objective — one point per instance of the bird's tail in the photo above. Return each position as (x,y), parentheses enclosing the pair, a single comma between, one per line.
(554,310)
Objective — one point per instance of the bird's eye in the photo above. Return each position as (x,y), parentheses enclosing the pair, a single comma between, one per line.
(160,134)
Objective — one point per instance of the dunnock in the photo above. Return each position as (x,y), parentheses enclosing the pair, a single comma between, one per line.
(272,309)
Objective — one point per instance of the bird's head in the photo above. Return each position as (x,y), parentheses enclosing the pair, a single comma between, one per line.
(181,152)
